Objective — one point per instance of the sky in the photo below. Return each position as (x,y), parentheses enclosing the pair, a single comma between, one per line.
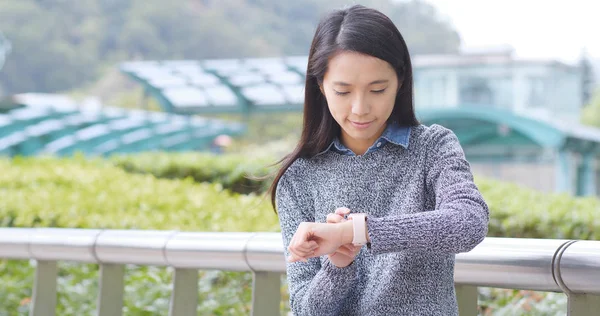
(556,29)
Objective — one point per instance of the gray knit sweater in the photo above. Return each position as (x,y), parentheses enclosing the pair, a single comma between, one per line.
(422,207)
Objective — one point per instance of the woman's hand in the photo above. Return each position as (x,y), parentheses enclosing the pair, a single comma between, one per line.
(345,254)
(318,239)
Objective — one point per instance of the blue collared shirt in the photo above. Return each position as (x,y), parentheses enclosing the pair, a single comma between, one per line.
(393,133)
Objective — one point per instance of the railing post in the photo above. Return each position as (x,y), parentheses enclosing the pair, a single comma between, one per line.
(110,299)
(184,298)
(583,304)
(44,289)
(466,296)
(266,294)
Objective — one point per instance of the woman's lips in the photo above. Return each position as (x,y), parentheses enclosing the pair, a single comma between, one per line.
(361,125)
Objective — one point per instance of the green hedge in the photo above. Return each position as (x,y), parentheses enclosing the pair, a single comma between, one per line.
(79,193)
(236,172)
(515,211)
(84,193)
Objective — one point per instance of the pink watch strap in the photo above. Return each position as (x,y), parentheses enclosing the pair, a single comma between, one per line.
(359,227)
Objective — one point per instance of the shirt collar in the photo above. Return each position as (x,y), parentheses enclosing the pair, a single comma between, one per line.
(393,133)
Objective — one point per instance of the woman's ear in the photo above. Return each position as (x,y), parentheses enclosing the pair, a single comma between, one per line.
(321,88)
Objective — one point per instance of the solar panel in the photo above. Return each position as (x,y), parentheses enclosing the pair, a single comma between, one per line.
(28,113)
(223,67)
(266,94)
(185,96)
(136,136)
(76,120)
(92,132)
(167,81)
(157,117)
(11,140)
(202,79)
(59,144)
(5,120)
(221,95)
(107,146)
(167,129)
(44,128)
(245,79)
(125,124)
(180,63)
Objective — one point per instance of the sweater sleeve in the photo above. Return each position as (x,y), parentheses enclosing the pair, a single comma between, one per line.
(315,288)
(459,221)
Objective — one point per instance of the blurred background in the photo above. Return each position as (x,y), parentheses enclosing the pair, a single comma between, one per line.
(169,115)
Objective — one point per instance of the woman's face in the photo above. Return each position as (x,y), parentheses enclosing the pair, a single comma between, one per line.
(360,92)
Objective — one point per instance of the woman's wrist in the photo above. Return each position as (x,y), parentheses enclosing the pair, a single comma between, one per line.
(347,232)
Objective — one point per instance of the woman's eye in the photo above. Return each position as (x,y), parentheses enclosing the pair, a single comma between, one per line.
(378,91)
(340,93)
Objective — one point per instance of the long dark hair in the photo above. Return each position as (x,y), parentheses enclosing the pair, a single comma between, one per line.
(357,29)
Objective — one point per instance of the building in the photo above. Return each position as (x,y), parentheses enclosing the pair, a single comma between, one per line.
(518,120)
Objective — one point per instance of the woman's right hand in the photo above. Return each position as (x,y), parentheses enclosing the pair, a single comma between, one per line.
(345,254)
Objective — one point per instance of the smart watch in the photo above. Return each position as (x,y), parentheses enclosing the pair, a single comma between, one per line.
(359,226)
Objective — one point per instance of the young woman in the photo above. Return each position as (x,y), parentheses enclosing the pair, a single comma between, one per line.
(406,188)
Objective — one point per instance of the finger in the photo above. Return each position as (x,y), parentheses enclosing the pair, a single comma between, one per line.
(296,255)
(303,250)
(307,245)
(294,258)
(343,211)
(346,252)
(301,253)
(334,218)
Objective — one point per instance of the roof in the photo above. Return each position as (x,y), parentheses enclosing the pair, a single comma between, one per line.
(56,125)
(221,86)
(484,125)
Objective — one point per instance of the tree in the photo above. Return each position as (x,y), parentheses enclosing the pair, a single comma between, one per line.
(62,45)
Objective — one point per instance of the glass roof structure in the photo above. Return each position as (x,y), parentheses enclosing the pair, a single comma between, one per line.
(223,85)
(55,125)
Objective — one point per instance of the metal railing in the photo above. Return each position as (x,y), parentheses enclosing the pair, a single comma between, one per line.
(571,267)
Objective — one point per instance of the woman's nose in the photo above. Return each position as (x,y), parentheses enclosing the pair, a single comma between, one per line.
(360,106)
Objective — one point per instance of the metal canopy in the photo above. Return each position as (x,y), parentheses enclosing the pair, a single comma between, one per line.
(223,85)
(494,126)
(40,125)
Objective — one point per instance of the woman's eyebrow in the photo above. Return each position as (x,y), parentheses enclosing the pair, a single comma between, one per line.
(345,84)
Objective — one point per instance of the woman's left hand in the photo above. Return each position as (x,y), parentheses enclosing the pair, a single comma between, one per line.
(318,239)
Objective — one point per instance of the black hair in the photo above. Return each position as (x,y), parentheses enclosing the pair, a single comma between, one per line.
(355,29)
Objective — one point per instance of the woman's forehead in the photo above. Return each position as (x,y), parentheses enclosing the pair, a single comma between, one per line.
(355,68)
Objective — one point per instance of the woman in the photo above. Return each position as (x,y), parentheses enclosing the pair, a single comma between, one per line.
(407,188)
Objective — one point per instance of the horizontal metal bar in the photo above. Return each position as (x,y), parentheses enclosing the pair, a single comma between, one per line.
(264,252)
(14,243)
(54,244)
(516,263)
(580,267)
(223,251)
(132,247)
